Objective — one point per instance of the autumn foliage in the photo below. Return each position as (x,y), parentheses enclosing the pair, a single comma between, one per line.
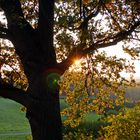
(40,41)
(95,84)
(125,125)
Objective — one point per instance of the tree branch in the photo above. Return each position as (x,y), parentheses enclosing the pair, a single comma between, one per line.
(112,17)
(24,37)
(79,53)
(89,17)
(76,53)
(5,33)
(3,36)
(5,30)
(115,39)
(12,10)
(17,24)
(13,93)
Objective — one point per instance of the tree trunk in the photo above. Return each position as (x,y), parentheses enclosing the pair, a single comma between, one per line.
(36,51)
(44,113)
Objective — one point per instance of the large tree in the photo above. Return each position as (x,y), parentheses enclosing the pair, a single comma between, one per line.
(47,36)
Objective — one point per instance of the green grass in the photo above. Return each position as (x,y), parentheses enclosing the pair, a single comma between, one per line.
(17,137)
(11,118)
(11,115)
(91,117)
(63,104)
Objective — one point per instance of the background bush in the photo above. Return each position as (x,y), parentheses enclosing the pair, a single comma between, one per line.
(124,126)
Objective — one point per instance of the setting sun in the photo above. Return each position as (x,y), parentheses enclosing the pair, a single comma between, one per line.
(77,62)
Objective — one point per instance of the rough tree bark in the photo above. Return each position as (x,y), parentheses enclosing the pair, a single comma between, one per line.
(36,51)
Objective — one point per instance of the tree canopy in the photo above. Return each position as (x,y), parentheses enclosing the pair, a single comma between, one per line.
(41,39)
(83,26)
(80,28)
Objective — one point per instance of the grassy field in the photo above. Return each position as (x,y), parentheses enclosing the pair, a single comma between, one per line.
(17,137)
(13,120)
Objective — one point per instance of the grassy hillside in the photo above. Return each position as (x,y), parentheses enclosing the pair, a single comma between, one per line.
(11,118)
(17,137)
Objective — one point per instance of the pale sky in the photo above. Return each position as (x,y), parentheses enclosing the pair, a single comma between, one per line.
(117,50)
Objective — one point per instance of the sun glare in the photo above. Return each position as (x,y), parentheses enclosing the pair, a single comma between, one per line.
(77,62)
(76,65)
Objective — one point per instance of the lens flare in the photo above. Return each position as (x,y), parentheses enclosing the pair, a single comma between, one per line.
(52,79)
